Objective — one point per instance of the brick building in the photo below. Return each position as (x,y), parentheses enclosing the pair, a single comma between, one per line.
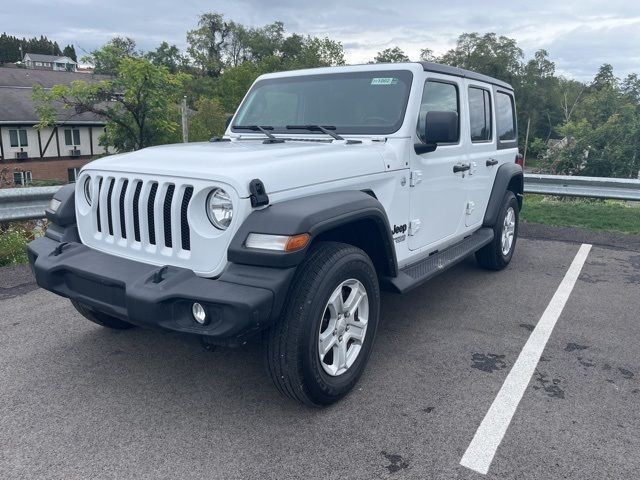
(56,153)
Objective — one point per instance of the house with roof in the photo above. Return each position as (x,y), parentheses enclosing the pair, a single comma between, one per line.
(54,153)
(49,62)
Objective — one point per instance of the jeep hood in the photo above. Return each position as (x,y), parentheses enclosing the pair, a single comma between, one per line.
(280,166)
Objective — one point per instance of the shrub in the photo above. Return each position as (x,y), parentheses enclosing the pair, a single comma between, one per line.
(13,241)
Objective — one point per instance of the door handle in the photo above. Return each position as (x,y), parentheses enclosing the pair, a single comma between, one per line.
(461,167)
(491,162)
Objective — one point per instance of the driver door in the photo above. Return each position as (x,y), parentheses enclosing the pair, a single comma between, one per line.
(438,195)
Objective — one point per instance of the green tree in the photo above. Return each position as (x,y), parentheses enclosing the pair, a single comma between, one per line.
(206,43)
(168,56)
(602,138)
(391,55)
(70,51)
(427,55)
(106,60)
(493,55)
(209,120)
(138,103)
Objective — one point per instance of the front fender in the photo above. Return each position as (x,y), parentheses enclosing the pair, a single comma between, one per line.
(314,215)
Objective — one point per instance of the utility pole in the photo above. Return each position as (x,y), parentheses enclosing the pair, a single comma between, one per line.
(185,121)
(526,143)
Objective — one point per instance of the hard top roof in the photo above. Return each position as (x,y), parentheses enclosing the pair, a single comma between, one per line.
(460,72)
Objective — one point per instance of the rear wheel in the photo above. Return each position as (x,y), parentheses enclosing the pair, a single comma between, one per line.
(318,349)
(497,254)
(100,318)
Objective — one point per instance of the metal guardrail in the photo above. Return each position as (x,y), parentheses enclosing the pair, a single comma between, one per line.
(24,203)
(592,187)
(29,203)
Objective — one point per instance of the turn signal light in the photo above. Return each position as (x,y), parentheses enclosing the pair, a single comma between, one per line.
(297,242)
(282,243)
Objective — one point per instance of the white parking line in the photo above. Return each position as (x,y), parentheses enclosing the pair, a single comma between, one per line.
(482,448)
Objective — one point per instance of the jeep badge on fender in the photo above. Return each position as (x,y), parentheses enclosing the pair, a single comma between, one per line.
(329,185)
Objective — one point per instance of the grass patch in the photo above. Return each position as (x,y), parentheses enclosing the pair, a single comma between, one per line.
(608,215)
(13,242)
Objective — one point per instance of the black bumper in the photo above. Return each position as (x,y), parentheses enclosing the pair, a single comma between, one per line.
(243,300)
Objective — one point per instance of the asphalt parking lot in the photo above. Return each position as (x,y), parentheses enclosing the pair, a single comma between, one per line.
(78,401)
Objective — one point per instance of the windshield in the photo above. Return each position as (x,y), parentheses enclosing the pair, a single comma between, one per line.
(372,102)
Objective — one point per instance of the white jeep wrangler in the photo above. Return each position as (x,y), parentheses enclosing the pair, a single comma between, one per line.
(328,186)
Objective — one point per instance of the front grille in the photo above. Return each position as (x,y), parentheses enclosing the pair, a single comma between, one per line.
(147,213)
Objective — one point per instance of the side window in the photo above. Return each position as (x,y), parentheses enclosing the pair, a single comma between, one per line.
(480,114)
(437,97)
(506,123)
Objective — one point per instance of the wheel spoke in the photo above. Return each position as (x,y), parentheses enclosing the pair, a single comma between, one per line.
(354,300)
(335,305)
(326,342)
(340,355)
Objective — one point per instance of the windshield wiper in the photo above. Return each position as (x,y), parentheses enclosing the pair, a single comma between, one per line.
(260,128)
(326,129)
(317,128)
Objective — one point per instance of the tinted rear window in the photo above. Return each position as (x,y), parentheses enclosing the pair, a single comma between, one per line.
(505,116)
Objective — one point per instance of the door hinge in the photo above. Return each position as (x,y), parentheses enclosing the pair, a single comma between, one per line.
(414,226)
(471,206)
(415,178)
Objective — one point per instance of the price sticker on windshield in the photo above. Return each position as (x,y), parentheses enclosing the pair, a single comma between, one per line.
(384,81)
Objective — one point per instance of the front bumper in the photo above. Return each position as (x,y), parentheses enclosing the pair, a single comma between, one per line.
(242,301)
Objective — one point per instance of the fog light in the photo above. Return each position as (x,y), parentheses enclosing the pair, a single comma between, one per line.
(199,313)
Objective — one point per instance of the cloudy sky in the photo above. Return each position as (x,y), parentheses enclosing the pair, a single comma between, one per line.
(579,35)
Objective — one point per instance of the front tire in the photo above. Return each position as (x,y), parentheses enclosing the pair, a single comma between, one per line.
(497,254)
(100,318)
(318,349)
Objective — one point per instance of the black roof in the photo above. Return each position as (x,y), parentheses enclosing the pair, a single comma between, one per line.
(460,72)
(16,90)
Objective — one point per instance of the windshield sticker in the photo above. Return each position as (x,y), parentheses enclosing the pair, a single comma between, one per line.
(384,81)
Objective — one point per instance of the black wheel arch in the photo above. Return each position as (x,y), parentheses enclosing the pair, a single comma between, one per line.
(509,177)
(354,217)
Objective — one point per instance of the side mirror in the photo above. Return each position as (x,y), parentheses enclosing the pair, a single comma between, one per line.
(229,118)
(439,127)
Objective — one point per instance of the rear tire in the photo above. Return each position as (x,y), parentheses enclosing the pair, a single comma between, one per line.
(497,254)
(318,349)
(100,318)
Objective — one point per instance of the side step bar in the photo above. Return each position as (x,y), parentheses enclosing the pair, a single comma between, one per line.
(418,273)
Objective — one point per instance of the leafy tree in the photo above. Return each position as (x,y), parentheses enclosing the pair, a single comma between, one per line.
(207,42)
(208,121)
(493,55)
(538,93)
(106,60)
(138,103)
(391,55)
(603,136)
(427,55)
(168,56)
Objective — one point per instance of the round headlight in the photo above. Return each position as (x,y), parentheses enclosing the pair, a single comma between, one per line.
(219,208)
(87,189)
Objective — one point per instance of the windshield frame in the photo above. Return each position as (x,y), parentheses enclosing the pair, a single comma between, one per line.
(406,75)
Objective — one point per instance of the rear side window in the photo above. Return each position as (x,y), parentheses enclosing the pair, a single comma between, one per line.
(506,123)
(480,114)
(437,97)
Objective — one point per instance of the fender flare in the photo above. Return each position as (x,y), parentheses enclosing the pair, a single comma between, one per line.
(507,174)
(315,214)
(65,215)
